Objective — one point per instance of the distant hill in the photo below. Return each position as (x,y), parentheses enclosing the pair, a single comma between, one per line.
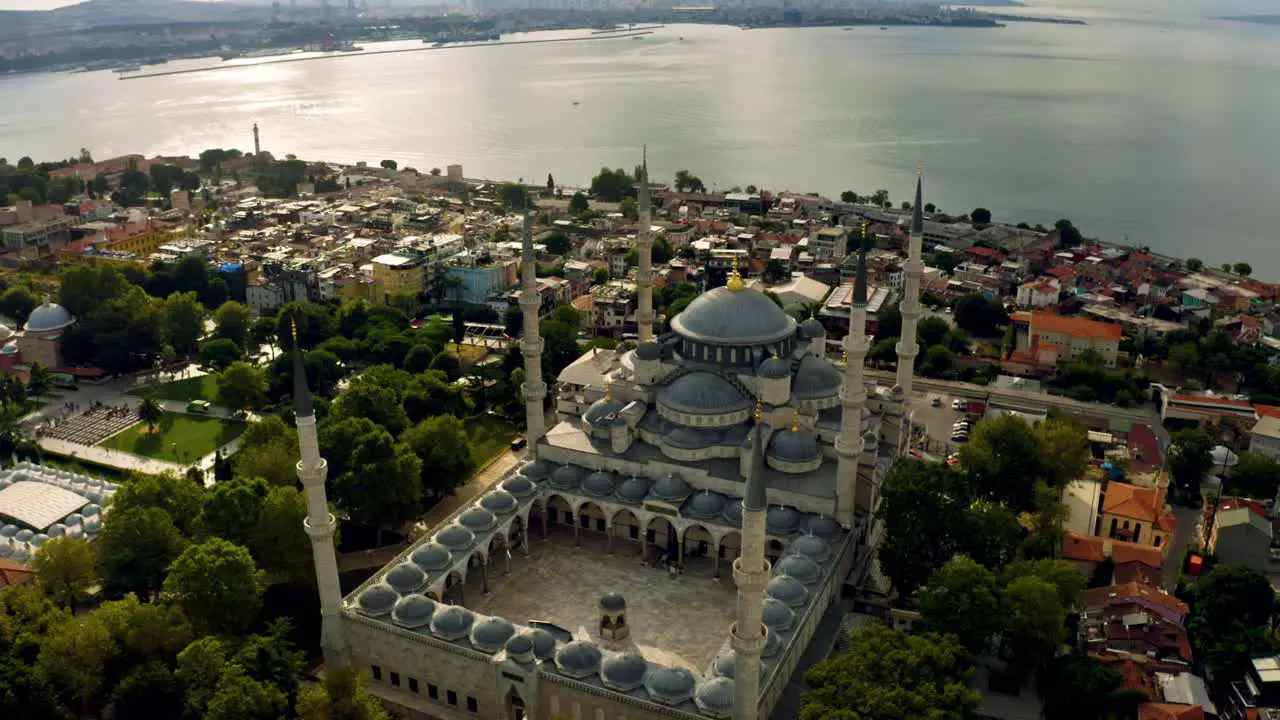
(117,13)
(1256,19)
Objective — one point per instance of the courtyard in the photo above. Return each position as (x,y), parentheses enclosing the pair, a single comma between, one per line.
(179,438)
(200,387)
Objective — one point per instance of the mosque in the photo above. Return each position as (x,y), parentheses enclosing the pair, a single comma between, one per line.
(676,545)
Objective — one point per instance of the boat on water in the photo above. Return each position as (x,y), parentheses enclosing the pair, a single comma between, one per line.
(882,27)
(847,29)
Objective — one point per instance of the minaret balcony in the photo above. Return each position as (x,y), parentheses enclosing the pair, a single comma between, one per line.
(533,391)
(320,531)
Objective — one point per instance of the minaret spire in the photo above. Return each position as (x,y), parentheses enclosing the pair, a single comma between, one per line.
(319,523)
(751,573)
(853,395)
(907,347)
(534,388)
(645,315)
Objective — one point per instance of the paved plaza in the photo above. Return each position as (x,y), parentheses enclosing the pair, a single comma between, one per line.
(674,621)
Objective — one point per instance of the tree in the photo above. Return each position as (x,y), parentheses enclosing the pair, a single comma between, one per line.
(363,399)
(74,656)
(1033,615)
(183,321)
(38,380)
(442,444)
(1256,476)
(1243,268)
(558,242)
(1068,235)
(880,198)
(980,316)
(279,541)
(240,697)
(601,276)
(776,272)
(849,196)
(938,360)
(342,696)
(686,180)
(551,182)
(630,209)
(17,303)
(150,412)
(1003,461)
(931,330)
(1079,687)
(219,353)
(980,216)
(241,386)
(890,675)
(177,497)
(272,658)
(66,570)
(1189,459)
(578,204)
(269,450)
(382,486)
(923,506)
(990,534)
(148,690)
(231,509)
(962,598)
(389,164)
(232,320)
(217,585)
(1233,610)
(611,185)
(201,666)
(136,547)
(1064,447)
(560,345)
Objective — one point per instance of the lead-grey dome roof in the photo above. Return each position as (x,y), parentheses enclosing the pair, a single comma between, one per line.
(777,615)
(578,659)
(727,317)
(456,537)
(782,519)
(413,611)
(613,602)
(499,502)
(703,393)
(800,568)
(649,350)
(604,409)
(544,643)
(477,519)
(812,547)
(670,487)
(491,634)
(704,505)
(432,556)
(624,672)
(520,647)
(671,685)
(788,590)
(812,328)
(727,665)
(822,526)
(377,600)
(451,622)
(690,438)
(795,446)
(633,490)
(536,470)
(49,316)
(714,697)
(566,477)
(600,483)
(405,578)
(518,485)
(774,368)
(816,378)
(733,513)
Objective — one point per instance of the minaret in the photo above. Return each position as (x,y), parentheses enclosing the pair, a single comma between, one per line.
(257,148)
(853,395)
(907,347)
(644,246)
(751,573)
(319,523)
(531,343)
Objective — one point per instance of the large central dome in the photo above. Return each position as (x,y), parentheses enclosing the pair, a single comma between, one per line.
(728,317)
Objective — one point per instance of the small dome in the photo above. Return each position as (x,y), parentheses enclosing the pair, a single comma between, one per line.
(777,615)
(406,578)
(812,547)
(727,665)
(57,530)
(633,490)
(90,509)
(604,410)
(19,554)
(812,328)
(413,611)
(73,519)
(578,659)
(670,685)
(671,487)
(49,316)
(649,351)
(795,446)
(377,600)
(788,590)
(600,483)
(6,549)
(782,519)
(613,602)
(714,697)
(519,648)
(775,368)
(544,643)
(499,502)
(566,477)
(822,526)
(93,524)
(491,634)
(703,393)
(800,568)
(451,622)
(733,513)
(24,535)
(772,644)
(432,557)
(37,541)
(704,505)
(456,537)
(537,470)
(518,485)
(75,532)
(624,672)
(816,378)
(688,438)
(477,519)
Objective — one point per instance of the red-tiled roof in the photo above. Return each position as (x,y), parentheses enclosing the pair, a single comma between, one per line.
(1083,548)
(1127,552)
(1129,592)
(1074,326)
(1170,711)
(13,574)
(1131,501)
(1144,449)
(1267,410)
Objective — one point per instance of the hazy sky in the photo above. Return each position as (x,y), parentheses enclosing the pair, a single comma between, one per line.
(32,4)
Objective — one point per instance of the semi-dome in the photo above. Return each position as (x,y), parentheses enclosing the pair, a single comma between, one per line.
(816,378)
(605,409)
(48,316)
(566,477)
(413,611)
(377,600)
(787,589)
(705,505)
(600,483)
(456,537)
(822,526)
(727,665)
(633,490)
(578,659)
(520,648)
(714,697)
(800,568)
(727,317)
(536,470)
(491,634)
(812,547)
(797,445)
(812,328)
(432,557)
(689,438)
(544,643)
(670,487)
(649,350)
(477,519)
(774,368)
(499,502)
(518,485)
(777,615)
(451,622)
(732,513)
(703,393)
(406,578)
(782,519)
(671,685)
(624,672)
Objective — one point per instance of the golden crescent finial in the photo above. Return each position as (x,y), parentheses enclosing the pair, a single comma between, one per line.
(608,391)
(920,169)
(795,422)
(759,410)
(844,358)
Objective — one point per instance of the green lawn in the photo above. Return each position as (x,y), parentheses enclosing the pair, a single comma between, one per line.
(490,435)
(204,387)
(178,438)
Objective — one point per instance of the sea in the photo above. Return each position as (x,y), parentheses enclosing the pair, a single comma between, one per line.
(1153,124)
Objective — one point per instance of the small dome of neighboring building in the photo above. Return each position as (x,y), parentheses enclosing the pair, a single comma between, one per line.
(822,526)
(432,557)
(536,470)
(624,672)
(613,602)
(732,513)
(798,445)
(544,643)
(787,589)
(377,600)
(518,485)
(406,578)
(816,378)
(670,685)
(520,648)
(451,622)
(477,519)
(812,547)
(413,611)
(499,502)
(703,393)
(491,634)
(812,328)
(456,537)
(670,487)
(649,350)
(689,438)
(600,483)
(714,697)
(578,659)
(782,519)
(603,410)
(774,368)
(704,505)
(566,477)
(633,490)
(777,615)
(800,568)
(47,317)
(727,317)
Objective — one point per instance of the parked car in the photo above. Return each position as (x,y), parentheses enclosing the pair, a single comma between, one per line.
(957,404)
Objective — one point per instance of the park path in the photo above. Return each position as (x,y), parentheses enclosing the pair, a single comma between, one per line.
(479,484)
(110,458)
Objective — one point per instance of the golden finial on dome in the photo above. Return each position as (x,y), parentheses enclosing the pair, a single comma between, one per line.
(735,280)
(759,410)
(920,169)
(795,422)
(608,391)
(844,358)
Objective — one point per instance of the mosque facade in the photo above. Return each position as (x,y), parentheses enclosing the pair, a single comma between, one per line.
(730,448)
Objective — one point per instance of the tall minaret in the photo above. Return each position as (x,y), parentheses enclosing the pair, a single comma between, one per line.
(751,573)
(257,148)
(907,347)
(644,246)
(853,395)
(534,388)
(320,522)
